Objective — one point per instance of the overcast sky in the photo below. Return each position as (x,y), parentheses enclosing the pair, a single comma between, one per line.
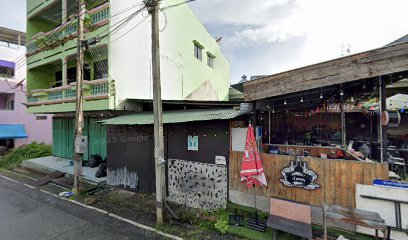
(270,36)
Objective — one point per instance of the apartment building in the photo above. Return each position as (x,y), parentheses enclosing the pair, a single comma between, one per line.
(17,127)
(117,68)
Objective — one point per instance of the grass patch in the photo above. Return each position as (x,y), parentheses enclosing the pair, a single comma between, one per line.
(29,151)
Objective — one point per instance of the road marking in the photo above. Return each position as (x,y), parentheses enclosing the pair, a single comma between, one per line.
(12,180)
(139,225)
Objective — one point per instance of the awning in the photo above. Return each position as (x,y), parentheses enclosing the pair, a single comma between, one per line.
(146,118)
(12,131)
(7,64)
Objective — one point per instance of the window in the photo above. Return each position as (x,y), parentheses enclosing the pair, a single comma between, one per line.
(198,52)
(210,60)
(6,72)
(10,104)
(7,101)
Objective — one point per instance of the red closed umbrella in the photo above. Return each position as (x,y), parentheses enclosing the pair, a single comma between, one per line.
(252,172)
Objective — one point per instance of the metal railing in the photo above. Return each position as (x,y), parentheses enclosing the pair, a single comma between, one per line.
(65,31)
(95,89)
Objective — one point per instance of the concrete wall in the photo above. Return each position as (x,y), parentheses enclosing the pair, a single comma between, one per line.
(183,76)
(386,209)
(37,130)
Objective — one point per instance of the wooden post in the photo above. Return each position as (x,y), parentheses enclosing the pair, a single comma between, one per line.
(383,129)
(153,7)
(79,104)
(269,125)
(343,127)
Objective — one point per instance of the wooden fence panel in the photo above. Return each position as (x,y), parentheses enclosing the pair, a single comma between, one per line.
(337,179)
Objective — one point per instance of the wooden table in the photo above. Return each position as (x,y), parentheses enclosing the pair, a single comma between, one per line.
(355,217)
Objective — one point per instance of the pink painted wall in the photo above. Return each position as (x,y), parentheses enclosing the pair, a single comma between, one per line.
(37,130)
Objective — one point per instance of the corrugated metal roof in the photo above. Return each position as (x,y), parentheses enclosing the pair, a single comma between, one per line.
(399,40)
(146,118)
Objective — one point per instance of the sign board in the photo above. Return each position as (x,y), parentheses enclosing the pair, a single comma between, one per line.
(298,175)
(192,142)
(220,160)
(81,145)
(238,136)
(385,183)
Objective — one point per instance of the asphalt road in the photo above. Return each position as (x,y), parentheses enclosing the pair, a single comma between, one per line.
(27,213)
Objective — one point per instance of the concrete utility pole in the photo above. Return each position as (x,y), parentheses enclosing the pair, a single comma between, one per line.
(79,115)
(153,7)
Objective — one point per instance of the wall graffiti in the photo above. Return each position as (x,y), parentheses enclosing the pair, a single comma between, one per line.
(122,177)
(197,185)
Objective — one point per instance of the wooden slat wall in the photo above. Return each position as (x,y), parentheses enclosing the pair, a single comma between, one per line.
(377,62)
(337,179)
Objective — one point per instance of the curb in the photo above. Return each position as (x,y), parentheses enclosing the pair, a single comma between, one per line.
(151,229)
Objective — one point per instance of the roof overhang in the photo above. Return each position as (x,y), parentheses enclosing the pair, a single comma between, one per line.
(147,118)
(370,64)
(12,36)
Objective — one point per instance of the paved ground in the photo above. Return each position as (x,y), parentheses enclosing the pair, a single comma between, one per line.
(30,214)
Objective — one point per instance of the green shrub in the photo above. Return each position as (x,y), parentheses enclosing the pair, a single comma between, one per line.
(29,151)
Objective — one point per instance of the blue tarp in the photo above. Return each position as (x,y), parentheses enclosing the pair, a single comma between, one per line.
(11,131)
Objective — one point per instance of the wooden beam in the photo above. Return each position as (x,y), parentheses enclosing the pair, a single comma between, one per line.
(370,64)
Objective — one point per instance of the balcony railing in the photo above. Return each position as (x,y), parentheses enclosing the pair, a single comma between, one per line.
(92,90)
(44,41)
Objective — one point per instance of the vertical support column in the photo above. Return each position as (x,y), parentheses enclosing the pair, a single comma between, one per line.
(269,125)
(64,11)
(343,127)
(253,116)
(383,129)
(19,41)
(64,71)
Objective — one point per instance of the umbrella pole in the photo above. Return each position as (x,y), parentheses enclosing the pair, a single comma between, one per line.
(256,213)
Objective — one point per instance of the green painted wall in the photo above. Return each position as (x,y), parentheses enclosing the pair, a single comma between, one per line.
(196,72)
(41,78)
(59,53)
(95,105)
(37,25)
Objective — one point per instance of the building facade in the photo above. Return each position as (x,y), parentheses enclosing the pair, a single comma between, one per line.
(17,127)
(117,68)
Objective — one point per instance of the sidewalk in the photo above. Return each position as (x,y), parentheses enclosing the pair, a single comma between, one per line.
(52,164)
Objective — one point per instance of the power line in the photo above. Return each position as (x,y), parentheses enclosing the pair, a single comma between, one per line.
(177,4)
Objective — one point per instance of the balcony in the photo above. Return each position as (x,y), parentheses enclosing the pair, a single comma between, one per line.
(98,17)
(92,90)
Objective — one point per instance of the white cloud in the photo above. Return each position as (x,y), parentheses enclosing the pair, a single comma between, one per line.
(322,25)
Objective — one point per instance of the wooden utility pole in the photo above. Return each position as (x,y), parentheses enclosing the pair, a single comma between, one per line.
(153,7)
(79,115)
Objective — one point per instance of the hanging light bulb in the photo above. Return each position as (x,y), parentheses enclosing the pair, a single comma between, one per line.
(273,110)
(341,92)
(321,95)
(301,99)
(205,134)
(285,102)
